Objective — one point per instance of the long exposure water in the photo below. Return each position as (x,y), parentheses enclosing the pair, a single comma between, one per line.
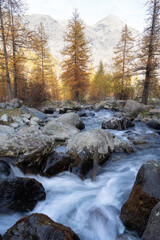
(92,208)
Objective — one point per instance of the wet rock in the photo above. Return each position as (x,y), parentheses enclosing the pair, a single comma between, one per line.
(139,141)
(59,130)
(39,227)
(33,112)
(84,162)
(133,108)
(56,163)
(117,123)
(72,119)
(49,110)
(5,130)
(154,123)
(20,194)
(94,148)
(153,227)
(144,196)
(82,114)
(5,169)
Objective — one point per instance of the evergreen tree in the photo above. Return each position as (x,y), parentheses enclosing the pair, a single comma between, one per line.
(123,64)
(75,74)
(99,85)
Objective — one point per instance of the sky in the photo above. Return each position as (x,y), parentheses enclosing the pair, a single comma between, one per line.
(91,11)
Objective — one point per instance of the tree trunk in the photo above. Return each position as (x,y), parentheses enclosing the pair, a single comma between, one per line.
(5,54)
(14,55)
(149,61)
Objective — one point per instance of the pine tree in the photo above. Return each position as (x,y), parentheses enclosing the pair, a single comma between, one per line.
(149,55)
(123,63)
(76,74)
(98,89)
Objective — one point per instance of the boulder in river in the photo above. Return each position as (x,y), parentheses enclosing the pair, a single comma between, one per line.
(56,163)
(39,227)
(117,123)
(72,119)
(154,123)
(59,130)
(144,196)
(48,165)
(153,227)
(23,144)
(94,148)
(5,169)
(133,108)
(20,194)
(34,112)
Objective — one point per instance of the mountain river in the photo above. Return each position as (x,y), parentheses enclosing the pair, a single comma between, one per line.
(92,208)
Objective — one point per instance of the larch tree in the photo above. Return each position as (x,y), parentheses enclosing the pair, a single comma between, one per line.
(18,35)
(76,72)
(3,7)
(123,60)
(149,54)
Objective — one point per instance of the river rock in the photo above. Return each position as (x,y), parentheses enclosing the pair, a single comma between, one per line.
(49,110)
(4,118)
(154,123)
(20,194)
(154,112)
(5,169)
(94,148)
(5,130)
(97,140)
(72,119)
(153,227)
(117,123)
(33,112)
(39,227)
(33,145)
(144,196)
(59,130)
(133,108)
(56,163)
(14,125)
(100,106)
(18,119)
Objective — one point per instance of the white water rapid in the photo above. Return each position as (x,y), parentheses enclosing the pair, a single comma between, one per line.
(92,208)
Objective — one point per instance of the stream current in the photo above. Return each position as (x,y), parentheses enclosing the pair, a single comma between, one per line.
(92,208)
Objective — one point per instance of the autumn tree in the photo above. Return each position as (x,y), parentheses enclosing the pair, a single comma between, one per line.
(101,83)
(75,76)
(3,7)
(123,59)
(148,55)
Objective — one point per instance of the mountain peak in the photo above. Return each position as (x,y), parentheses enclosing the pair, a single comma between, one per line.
(111,20)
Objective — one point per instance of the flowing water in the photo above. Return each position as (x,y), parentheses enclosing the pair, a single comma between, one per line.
(92,208)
